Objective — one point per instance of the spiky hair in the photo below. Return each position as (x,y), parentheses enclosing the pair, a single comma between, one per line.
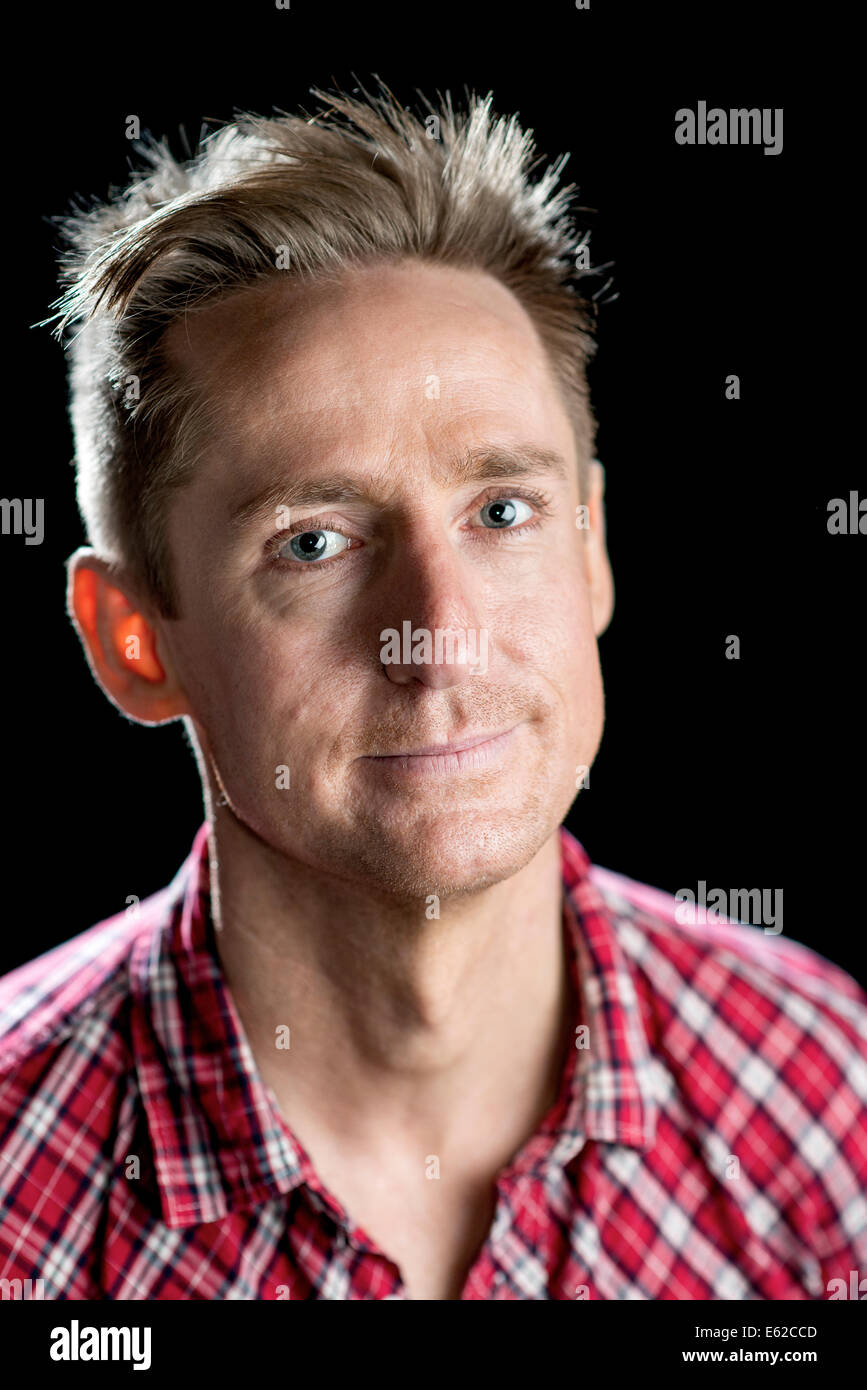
(361,181)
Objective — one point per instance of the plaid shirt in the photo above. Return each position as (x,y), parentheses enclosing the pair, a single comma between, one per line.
(710,1141)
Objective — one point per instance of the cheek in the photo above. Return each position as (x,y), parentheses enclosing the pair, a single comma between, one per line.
(229,678)
(260,693)
(551,628)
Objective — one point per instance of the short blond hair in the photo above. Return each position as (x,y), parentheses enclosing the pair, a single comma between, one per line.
(363,180)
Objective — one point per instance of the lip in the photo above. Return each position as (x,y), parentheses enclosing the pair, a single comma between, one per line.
(470,751)
(457,745)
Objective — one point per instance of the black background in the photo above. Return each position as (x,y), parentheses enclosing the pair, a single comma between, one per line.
(744,773)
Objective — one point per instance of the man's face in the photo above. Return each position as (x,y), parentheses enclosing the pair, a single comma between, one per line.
(386,381)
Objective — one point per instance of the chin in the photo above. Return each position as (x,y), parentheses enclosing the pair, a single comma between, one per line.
(454,856)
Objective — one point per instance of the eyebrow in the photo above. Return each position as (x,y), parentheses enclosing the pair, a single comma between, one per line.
(480,464)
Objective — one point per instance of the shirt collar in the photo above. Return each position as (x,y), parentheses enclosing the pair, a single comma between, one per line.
(219,1140)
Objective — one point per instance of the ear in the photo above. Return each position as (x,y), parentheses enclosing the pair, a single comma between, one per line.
(121,641)
(600,580)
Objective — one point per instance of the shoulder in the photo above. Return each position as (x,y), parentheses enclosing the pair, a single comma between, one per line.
(761,1046)
(710,982)
(780,1016)
(746,976)
(65,1028)
(741,987)
(67,1087)
(80,985)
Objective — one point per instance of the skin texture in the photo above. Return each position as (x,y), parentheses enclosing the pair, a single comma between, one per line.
(411,1035)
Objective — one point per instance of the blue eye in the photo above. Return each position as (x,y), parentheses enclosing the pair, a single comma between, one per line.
(313,545)
(322,543)
(503,512)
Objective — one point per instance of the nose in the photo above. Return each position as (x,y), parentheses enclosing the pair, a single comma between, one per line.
(433,634)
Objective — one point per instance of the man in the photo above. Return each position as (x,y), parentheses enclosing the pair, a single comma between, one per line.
(388,1034)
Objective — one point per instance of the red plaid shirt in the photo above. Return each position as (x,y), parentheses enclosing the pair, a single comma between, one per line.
(710,1142)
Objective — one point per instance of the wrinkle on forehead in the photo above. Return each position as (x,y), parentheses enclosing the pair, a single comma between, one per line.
(344,366)
(262,323)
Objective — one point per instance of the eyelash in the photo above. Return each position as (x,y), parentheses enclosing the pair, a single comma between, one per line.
(326,523)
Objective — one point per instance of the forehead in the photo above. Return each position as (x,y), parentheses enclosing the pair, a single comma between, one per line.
(408,347)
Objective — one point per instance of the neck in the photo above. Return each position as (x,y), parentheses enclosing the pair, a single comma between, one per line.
(405,1029)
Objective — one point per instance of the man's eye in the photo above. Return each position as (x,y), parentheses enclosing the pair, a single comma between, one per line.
(314,545)
(321,543)
(502,512)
